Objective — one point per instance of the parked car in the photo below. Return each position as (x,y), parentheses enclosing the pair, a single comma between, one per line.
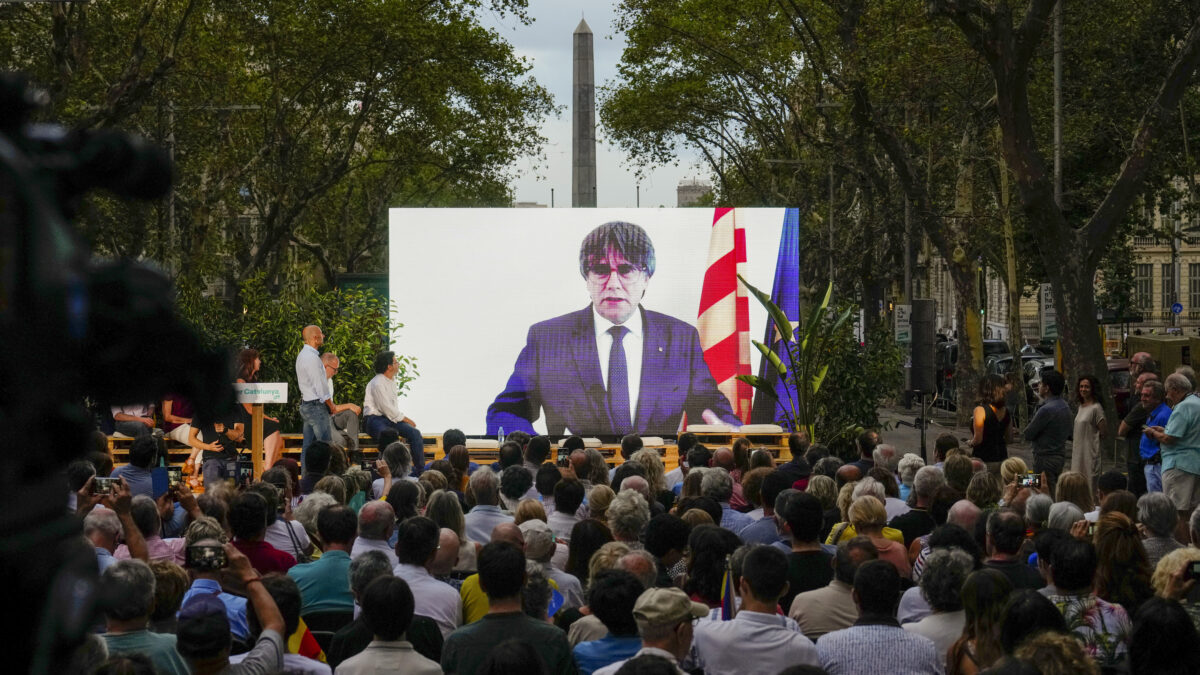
(1118,381)
(945,358)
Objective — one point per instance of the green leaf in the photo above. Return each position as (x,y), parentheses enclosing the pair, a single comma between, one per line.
(772,357)
(778,316)
(760,384)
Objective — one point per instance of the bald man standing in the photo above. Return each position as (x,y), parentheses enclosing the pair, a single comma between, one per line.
(315,401)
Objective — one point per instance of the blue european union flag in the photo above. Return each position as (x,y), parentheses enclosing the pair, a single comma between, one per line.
(785,293)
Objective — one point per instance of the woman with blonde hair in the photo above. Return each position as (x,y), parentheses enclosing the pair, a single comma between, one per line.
(444,509)
(650,462)
(599,498)
(868,517)
(529,509)
(1074,487)
(846,530)
(1011,469)
(984,490)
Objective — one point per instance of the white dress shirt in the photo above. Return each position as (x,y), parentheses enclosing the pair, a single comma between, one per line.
(142,409)
(895,507)
(561,524)
(432,598)
(674,476)
(771,642)
(380,398)
(632,342)
(362,545)
(310,375)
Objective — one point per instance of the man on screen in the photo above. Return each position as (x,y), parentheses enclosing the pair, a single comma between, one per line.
(613,367)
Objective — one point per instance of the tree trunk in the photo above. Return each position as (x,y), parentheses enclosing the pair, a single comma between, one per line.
(1016,339)
(969,367)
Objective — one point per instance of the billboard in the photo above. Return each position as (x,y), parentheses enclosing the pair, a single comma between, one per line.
(502,321)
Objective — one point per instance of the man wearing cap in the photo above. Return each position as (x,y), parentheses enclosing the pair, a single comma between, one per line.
(203,631)
(774,641)
(665,619)
(501,576)
(539,548)
(612,367)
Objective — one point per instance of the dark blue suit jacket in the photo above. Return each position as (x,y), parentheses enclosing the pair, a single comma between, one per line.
(558,371)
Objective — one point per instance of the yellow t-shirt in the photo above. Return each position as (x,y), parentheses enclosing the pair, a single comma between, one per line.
(475,601)
(888,533)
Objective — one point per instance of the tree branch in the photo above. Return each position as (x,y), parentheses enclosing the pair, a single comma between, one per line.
(1103,222)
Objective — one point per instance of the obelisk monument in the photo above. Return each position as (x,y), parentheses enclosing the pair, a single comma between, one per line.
(583,122)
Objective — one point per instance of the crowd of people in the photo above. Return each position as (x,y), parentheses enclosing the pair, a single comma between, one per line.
(732,562)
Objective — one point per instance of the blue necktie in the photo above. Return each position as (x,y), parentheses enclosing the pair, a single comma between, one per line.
(618,384)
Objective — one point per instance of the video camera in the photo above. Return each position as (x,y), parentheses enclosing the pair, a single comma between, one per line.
(71,328)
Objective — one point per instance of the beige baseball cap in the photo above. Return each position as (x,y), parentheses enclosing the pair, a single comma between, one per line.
(663,606)
(539,539)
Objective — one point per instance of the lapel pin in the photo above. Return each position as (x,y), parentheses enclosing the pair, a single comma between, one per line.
(660,349)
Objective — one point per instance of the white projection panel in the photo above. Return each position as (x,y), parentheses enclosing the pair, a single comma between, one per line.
(468,284)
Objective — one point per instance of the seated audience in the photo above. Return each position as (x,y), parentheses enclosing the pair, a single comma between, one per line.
(876,643)
(1005,535)
(486,514)
(833,608)
(1157,519)
(387,611)
(984,594)
(130,584)
(611,596)
(771,642)
(416,548)
(1103,627)
(501,576)
(325,583)
(941,587)
(248,520)
(286,595)
(665,618)
(204,637)
(376,521)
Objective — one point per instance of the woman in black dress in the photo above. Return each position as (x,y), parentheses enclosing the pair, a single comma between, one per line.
(249,365)
(990,424)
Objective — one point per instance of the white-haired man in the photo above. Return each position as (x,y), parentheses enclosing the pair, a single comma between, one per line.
(1180,447)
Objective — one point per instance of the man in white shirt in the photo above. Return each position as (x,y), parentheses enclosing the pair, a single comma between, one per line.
(381,411)
(375,522)
(344,415)
(135,420)
(416,549)
(757,639)
(315,401)
(486,514)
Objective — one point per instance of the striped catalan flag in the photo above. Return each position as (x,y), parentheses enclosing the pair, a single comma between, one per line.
(728,594)
(724,318)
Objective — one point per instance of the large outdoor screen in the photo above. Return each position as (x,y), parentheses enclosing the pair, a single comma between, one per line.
(507,331)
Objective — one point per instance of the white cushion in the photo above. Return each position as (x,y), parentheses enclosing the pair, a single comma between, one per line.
(762,429)
(482,444)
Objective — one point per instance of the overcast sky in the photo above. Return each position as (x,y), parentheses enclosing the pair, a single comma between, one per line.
(547,43)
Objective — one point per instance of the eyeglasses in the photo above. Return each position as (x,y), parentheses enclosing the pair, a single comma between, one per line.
(600,272)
